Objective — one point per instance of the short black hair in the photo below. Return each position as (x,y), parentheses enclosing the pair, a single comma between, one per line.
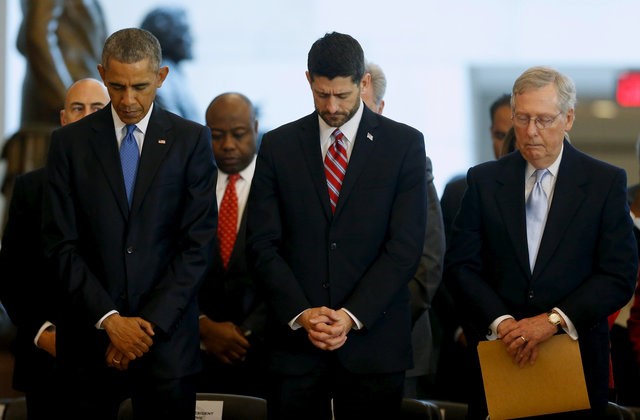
(336,55)
(504,99)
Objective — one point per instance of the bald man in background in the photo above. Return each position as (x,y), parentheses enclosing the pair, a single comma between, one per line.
(26,286)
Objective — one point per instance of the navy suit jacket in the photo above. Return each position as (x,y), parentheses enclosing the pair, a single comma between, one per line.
(586,265)
(26,286)
(361,258)
(146,261)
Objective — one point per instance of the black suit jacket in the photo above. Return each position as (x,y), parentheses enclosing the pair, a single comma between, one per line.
(146,261)
(26,285)
(361,258)
(586,265)
(232,294)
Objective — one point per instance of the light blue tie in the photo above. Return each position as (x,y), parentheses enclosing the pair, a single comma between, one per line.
(129,156)
(537,205)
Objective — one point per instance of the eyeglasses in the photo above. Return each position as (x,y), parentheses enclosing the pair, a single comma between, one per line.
(545,121)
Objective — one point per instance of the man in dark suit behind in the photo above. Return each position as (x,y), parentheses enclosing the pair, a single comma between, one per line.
(25,269)
(232,310)
(581,270)
(335,270)
(130,258)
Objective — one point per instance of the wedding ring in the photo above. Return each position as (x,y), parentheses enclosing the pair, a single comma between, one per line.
(523,339)
(117,362)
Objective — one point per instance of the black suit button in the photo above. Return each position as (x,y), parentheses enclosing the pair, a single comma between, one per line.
(325,284)
(531,295)
(333,246)
(130,250)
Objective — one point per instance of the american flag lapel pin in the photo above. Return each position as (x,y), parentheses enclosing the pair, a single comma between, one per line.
(162,141)
(370,136)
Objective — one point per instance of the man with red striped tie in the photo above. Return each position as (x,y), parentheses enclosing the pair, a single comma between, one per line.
(335,232)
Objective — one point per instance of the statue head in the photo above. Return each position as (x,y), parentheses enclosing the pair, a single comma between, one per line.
(170,26)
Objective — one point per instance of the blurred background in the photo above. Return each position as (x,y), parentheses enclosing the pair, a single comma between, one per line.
(445,63)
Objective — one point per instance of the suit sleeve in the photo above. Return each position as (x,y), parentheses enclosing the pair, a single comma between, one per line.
(427,278)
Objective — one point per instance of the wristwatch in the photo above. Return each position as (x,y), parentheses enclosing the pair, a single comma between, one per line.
(554,319)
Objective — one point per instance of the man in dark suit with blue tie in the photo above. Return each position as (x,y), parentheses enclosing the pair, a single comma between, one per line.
(131,242)
(582,267)
(335,245)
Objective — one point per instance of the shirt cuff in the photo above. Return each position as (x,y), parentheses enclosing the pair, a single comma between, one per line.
(45,326)
(492,334)
(99,323)
(293,324)
(357,324)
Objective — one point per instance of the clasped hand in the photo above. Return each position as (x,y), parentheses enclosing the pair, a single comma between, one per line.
(521,338)
(131,337)
(326,328)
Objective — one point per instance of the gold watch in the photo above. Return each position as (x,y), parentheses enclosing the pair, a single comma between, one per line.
(554,319)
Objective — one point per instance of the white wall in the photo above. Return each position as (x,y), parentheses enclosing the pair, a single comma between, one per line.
(426,47)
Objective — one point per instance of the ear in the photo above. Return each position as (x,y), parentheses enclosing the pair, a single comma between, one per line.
(381,107)
(63,119)
(101,71)
(162,74)
(308,77)
(571,115)
(365,83)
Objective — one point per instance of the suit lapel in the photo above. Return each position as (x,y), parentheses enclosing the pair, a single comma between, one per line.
(567,198)
(105,146)
(362,148)
(512,210)
(310,143)
(157,142)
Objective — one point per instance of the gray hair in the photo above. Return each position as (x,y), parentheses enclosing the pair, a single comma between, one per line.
(538,77)
(132,45)
(378,81)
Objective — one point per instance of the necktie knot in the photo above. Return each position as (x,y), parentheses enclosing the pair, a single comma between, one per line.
(233,178)
(337,135)
(540,174)
(130,129)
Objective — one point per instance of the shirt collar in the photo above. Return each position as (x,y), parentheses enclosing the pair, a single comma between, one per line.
(553,168)
(141,125)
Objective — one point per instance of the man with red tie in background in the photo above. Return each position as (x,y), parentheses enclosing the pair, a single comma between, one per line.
(336,228)
(232,311)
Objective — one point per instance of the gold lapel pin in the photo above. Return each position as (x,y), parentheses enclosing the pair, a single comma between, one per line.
(162,141)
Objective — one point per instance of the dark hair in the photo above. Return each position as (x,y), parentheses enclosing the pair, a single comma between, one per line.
(504,99)
(336,55)
(131,45)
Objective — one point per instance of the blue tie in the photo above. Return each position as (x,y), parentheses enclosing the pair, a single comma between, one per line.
(537,205)
(129,156)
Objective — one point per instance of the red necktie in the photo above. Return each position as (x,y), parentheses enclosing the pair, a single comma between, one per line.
(335,166)
(228,219)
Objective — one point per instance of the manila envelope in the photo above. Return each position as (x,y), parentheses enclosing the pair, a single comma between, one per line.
(554,384)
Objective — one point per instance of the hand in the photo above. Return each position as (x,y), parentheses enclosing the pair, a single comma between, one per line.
(116,359)
(130,335)
(224,340)
(326,328)
(522,340)
(47,341)
(635,205)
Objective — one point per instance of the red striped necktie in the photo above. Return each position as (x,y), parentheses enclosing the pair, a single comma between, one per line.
(335,166)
